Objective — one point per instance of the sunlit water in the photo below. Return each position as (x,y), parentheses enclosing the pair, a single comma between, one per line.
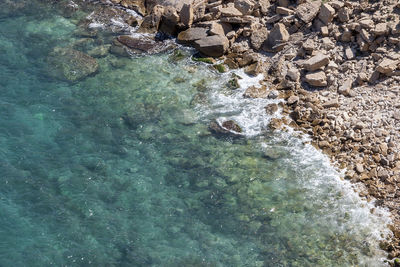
(120,169)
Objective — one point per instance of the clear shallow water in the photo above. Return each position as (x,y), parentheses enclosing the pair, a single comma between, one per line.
(120,169)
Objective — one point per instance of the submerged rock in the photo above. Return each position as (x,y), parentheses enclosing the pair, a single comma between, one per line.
(130,44)
(227,128)
(70,65)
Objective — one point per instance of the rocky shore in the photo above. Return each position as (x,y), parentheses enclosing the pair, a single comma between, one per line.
(336,63)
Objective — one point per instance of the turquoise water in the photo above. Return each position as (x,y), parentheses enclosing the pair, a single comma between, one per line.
(119,169)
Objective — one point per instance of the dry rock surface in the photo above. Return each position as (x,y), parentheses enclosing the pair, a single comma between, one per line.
(335,62)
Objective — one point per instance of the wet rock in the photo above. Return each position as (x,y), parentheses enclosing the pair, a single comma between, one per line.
(271,108)
(256,92)
(70,65)
(99,51)
(274,94)
(109,19)
(228,128)
(140,44)
(254,69)
(232,126)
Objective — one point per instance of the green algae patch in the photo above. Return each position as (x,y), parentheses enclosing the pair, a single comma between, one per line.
(208,60)
(220,68)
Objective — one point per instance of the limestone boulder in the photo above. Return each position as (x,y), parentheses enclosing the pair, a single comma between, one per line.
(214,46)
(186,15)
(151,22)
(308,10)
(246,7)
(316,62)
(177,4)
(258,38)
(191,35)
(277,38)
(387,66)
(230,11)
(326,13)
(317,79)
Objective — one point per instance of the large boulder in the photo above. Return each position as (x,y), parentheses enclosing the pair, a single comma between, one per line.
(169,21)
(258,37)
(191,35)
(317,79)
(318,61)
(214,46)
(151,22)
(326,13)
(277,38)
(387,66)
(308,10)
(187,15)
(70,65)
(246,7)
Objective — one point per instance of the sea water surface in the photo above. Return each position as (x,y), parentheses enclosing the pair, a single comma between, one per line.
(120,169)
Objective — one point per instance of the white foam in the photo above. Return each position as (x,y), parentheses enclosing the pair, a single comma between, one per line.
(251,116)
(249,113)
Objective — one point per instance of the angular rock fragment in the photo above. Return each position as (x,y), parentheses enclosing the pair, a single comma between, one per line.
(186,15)
(317,79)
(246,7)
(387,66)
(277,38)
(316,62)
(326,13)
(308,11)
(258,38)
